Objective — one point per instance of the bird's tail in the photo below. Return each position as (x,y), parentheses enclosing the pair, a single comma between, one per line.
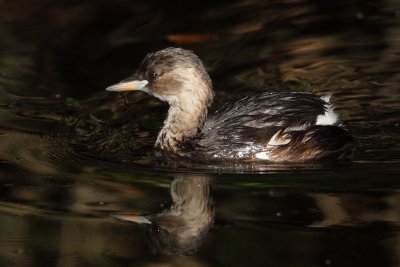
(314,143)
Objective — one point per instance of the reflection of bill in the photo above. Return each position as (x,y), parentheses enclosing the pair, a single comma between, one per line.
(179,229)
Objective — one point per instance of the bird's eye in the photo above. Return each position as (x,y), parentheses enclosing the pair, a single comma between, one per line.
(155,228)
(152,75)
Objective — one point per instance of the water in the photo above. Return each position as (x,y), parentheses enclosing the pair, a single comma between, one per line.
(72,154)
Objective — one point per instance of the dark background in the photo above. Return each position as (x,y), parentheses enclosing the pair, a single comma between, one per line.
(71,153)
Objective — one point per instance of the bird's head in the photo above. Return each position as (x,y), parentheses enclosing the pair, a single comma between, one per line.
(172,75)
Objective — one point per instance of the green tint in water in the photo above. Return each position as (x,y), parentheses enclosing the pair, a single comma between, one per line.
(72,155)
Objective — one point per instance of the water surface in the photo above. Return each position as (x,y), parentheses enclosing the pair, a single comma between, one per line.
(72,154)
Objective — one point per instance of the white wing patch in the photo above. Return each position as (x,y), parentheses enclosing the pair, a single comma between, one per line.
(330,117)
(263,155)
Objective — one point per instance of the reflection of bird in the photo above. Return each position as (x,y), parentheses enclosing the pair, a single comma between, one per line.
(279,126)
(179,229)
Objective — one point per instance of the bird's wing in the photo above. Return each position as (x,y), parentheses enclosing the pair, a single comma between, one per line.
(255,119)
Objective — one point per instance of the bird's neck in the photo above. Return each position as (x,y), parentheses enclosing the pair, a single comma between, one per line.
(184,121)
(188,109)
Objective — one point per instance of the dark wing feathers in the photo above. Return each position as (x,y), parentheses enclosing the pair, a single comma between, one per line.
(253,120)
(283,109)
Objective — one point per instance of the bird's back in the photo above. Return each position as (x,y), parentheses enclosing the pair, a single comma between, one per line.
(276,126)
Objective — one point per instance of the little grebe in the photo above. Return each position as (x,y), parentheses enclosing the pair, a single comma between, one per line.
(272,126)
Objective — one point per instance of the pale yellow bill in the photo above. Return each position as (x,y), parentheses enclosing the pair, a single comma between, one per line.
(131,218)
(128,86)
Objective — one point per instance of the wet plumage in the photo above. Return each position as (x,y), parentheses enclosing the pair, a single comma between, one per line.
(270,126)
